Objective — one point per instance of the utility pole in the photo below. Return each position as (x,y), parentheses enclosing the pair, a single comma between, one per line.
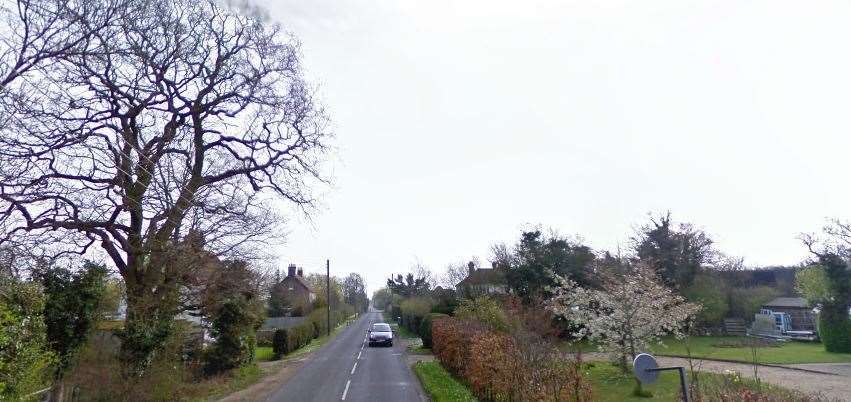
(328,292)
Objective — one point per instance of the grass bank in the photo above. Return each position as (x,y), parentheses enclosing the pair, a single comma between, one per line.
(440,385)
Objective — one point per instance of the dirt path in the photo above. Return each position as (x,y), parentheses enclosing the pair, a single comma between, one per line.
(831,385)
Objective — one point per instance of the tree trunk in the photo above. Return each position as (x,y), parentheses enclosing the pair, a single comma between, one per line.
(151,307)
(57,393)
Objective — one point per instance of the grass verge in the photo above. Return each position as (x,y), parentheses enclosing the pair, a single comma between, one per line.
(214,388)
(440,385)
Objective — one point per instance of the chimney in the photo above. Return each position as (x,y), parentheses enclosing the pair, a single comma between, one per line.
(471,267)
(291,270)
(300,272)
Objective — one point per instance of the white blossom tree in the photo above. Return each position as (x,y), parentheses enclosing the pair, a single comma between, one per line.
(631,312)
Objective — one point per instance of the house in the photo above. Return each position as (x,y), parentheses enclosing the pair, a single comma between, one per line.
(801,315)
(294,290)
(480,281)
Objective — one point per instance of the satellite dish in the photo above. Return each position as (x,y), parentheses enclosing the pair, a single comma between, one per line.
(643,366)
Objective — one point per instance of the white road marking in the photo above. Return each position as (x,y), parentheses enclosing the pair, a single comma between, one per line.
(346,390)
(353,368)
(359,355)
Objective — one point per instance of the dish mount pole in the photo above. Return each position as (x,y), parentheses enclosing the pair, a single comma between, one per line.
(328,293)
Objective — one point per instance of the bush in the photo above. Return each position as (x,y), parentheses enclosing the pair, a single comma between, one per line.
(710,292)
(499,366)
(25,359)
(234,326)
(835,332)
(483,310)
(279,343)
(425,328)
(413,311)
(745,302)
(288,340)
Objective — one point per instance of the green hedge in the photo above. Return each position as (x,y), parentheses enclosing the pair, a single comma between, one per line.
(835,333)
(425,328)
(288,340)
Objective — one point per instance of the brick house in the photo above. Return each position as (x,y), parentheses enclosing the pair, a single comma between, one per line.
(295,290)
(481,281)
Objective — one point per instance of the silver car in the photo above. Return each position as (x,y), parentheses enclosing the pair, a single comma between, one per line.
(380,334)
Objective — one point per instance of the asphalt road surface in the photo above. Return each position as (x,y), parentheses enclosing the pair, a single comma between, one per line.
(347,369)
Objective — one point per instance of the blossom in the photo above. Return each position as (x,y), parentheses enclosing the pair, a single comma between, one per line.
(627,315)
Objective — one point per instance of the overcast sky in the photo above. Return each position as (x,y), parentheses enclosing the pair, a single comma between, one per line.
(461,122)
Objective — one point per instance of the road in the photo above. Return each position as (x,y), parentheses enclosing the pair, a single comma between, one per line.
(348,369)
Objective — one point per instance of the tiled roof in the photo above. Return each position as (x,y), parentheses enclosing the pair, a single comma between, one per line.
(300,280)
(483,276)
(787,302)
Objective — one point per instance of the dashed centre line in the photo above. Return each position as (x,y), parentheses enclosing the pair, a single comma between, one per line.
(345,391)
(353,368)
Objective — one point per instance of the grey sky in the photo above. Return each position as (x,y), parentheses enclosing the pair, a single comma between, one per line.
(460,122)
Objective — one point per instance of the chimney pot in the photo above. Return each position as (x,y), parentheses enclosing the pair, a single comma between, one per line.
(291,270)
(300,272)
(471,267)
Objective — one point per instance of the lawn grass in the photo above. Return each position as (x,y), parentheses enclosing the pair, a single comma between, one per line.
(264,354)
(610,384)
(711,347)
(440,385)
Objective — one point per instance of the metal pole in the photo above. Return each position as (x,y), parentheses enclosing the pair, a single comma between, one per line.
(328,292)
(683,384)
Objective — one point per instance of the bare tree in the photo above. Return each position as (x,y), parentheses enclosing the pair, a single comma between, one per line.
(501,255)
(456,272)
(190,116)
(34,33)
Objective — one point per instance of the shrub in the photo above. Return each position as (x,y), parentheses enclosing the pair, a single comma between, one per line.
(710,292)
(425,328)
(483,310)
(835,332)
(494,370)
(500,366)
(25,359)
(450,338)
(745,302)
(234,326)
(288,340)
(280,347)
(413,311)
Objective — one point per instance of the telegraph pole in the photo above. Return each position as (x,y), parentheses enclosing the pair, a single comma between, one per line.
(328,292)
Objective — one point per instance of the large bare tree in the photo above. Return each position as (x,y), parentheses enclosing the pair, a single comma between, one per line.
(189,116)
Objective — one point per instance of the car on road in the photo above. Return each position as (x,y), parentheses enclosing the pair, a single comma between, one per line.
(380,334)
